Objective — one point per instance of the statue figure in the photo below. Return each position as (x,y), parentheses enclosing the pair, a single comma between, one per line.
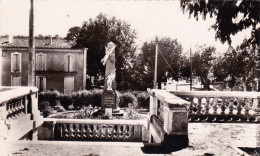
(109,50)
(110,78)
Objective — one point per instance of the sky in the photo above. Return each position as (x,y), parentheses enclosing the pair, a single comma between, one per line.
(148,18)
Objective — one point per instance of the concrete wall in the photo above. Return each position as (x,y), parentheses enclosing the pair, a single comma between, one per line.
(54,73)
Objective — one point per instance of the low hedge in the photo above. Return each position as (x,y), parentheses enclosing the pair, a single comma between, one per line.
(93,97)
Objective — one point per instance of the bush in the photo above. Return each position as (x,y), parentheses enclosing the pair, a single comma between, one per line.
(50,96)
(46,112)
(127,98)
(43,105)
(143,100)
(66,100)
(96,96)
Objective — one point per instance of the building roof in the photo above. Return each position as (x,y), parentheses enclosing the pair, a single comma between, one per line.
(40,42)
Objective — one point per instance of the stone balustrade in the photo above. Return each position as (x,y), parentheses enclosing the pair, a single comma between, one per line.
(222,106)
(18,105)
(92,130)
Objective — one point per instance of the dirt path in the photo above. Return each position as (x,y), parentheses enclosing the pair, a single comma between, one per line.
(205,139)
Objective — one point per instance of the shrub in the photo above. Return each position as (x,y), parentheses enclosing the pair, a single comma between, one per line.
(143,100)
(50,96)
(43,105)
(96,96)
(46,112)
(127,98)
(66,100)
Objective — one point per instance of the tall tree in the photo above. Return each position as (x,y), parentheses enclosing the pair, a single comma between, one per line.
(169,60)
(202,63)
(95,34)
(231,16)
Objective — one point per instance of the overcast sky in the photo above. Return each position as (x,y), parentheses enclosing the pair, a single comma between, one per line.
(148,18)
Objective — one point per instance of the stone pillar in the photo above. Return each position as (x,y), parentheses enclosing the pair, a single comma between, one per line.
(36,117)
(153,105)
(176,126)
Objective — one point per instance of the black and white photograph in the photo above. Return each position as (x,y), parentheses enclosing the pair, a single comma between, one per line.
(129,77)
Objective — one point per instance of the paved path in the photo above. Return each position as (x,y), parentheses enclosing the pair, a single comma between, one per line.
(205,139)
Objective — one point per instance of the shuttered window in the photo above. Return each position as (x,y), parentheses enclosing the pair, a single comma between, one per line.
(41,62)
(68,84)
(16,62)
(41,83)
(16,81)
(69,65)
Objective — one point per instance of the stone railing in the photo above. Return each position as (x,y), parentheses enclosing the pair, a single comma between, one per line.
(18,105)
(168,119)
(222,106)
(92,130)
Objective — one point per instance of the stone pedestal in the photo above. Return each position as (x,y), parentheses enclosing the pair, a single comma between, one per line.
(108,99)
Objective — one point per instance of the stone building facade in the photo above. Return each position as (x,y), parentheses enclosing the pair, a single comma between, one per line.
(57,66)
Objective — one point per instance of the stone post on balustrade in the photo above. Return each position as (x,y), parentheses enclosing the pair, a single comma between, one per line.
(176,123)
(36,117)
(174,132)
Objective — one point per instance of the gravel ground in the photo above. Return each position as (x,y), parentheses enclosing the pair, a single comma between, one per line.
(205,139)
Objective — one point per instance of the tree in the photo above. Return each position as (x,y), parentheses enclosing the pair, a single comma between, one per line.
(73,33)
(169,60)
(231,16)
(202,63)
(240,66)
(95,34)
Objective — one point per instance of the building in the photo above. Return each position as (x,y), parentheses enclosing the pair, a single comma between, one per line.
(57,66)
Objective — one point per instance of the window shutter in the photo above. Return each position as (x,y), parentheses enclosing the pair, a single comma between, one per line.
(44,84)
(38,62)
(44,62)
(66,63)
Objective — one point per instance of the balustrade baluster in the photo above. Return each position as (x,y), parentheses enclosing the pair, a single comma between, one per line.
(215,108)
(71,131)
(83,131)
(256,105)
(115,131)
(207,107)
(239,108)
(66,131)
(247,108)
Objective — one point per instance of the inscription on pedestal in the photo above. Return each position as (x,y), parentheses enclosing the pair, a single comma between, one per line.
(109,99)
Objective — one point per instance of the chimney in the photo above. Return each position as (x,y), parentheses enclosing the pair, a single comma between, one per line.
(50,40)
(10,38)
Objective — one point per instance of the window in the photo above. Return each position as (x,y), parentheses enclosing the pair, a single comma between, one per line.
(69,63)
(16,80)
(41,62)
(41,83)
(68,84)
(16,62)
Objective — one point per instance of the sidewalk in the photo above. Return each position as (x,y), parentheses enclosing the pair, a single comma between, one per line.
(205,139)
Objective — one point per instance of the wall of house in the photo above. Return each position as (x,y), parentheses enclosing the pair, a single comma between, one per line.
(55,70)
(6,66)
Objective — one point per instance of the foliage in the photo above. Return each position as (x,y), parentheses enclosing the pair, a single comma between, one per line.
(50,96)
(231,17)
(169,62)
(143,100)
(45,108)
(239,66)
(95,34)
(86,98)
(43,105)
(202,65)
(66,100)
(127,98)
